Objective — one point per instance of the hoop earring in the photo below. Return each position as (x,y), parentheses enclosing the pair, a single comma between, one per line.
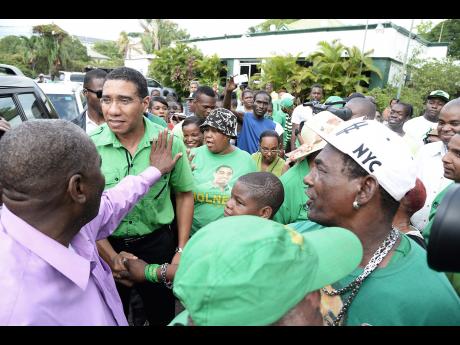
(356,205)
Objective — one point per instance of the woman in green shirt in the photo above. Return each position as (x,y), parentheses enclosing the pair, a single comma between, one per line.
(268,159)
(217,165)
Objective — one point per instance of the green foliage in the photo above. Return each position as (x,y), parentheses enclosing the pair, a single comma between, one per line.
(450,33)
(108,48)
(277,70)
(208,70)
(160,33)
(176,66)
(339,69)
(265,26)
(49,51)
(431,75)
(424,28)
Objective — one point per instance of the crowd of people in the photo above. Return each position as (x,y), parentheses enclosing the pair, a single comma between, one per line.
(244,207)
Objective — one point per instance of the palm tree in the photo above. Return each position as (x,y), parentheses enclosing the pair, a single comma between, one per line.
(152,28)
(50,46)
(123,43)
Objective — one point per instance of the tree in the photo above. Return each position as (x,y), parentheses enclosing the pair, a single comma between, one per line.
(340,69)
(208,70)
(175,67)
(123,43)
(160,33)
(265,26)
(76,52)
(278,70)
(430,75)
(21,52)
(51,43)
(108,48)
(447,31)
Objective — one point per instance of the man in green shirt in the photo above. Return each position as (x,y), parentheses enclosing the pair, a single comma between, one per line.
(124,144)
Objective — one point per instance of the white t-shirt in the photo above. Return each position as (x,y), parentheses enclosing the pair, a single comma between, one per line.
(301,113)
(90,124)
(430,171)
(418,127)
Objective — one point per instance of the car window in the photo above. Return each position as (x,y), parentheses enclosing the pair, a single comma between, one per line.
(6,71)
(83,99)
(9,111)
(77,78)
(66,106)
(47,103)
(30,106)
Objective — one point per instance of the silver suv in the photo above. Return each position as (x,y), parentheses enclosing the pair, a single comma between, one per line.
(21,99)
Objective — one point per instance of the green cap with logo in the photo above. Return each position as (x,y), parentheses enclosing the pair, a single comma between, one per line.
(439,94)
(247,270)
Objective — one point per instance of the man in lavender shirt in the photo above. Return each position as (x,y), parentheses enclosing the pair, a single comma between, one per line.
(54,212)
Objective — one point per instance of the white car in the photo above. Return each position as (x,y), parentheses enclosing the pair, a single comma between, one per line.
(67,98)
(74,77)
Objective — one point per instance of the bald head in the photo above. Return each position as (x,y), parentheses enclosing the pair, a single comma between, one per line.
(455,103)
(39,156)
(361,107)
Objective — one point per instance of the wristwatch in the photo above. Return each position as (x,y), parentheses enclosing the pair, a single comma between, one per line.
(178,250)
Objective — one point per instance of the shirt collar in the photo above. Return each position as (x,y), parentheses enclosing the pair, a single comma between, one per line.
(109,138)
(66,261)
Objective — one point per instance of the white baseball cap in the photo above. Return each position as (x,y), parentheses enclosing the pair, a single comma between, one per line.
(312,141)
(377,149)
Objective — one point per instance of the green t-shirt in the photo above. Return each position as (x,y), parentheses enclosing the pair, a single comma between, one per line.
(276,167)
(214,177)
(305,226)
(155,209)
(293,208)
(156,119)
(454,278)
(279,117)
(404,293)
(181,319)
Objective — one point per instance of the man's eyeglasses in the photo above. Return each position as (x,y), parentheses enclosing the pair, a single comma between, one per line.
(98,93)
(264,150)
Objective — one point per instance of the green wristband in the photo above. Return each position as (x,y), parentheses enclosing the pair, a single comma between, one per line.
(150,272)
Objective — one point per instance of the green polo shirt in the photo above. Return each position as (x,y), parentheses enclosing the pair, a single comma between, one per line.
(155,209)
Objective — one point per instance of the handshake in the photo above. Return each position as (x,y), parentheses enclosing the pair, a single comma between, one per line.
(128,269)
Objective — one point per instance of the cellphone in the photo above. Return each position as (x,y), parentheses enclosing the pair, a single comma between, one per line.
(239,79)
(180,115)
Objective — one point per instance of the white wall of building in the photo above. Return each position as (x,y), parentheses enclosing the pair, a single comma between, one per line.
(385,43)
(140,64)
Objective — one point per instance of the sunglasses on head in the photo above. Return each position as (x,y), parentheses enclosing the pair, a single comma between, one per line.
(98,93)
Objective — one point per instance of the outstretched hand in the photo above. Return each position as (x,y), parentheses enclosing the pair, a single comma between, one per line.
(4,125)
(190,156)
(161,153)
(231,85)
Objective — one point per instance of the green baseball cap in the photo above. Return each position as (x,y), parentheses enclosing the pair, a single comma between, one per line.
(439,94)
(333,99)
(287,100)
(247,270)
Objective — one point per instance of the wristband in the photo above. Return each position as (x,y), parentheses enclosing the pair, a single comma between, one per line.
(150,272)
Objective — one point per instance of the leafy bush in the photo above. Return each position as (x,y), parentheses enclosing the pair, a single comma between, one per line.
(176,66)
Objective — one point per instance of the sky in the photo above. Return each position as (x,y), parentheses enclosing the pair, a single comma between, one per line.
(195,27)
